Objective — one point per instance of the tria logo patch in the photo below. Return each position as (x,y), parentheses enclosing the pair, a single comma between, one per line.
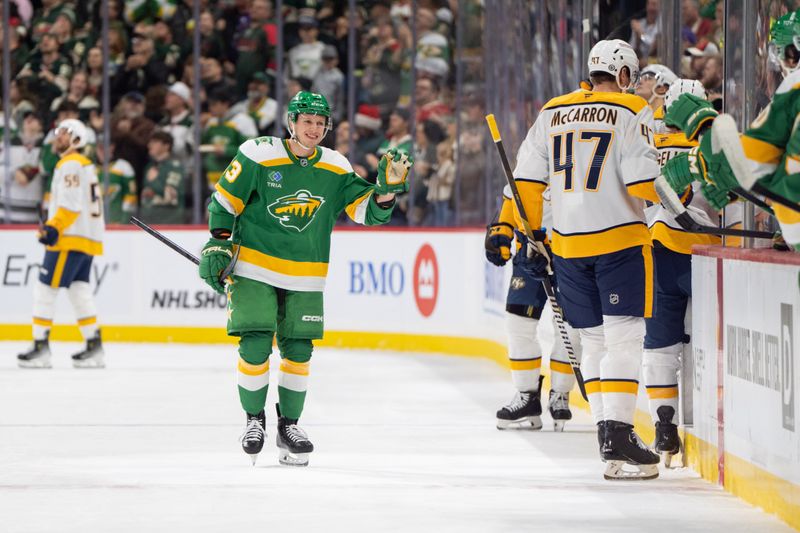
(274,175)
(296,210)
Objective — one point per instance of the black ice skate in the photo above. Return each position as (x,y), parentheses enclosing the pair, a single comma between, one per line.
(622,447)
(92,356)
(601,437)
(293,444)
(525,407)
(254,435)
(668,444)
(558,404)
(38,356)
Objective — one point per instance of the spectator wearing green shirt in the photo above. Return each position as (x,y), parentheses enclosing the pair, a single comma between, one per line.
(252,48)
(163,193)
(224,131)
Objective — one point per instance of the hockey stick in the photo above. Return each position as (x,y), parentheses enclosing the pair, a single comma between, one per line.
(191,257)
(558,313)
(672,202)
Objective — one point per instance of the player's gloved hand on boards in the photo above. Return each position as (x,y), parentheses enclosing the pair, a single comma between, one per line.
(215,257)
(47,235)
(498,243)
(532,261)
(690,114)
(393,172)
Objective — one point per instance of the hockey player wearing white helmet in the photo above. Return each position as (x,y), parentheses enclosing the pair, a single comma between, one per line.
(667,330)
(73,236)
(654,83)
(595,151)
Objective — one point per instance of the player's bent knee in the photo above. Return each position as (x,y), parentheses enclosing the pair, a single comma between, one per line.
(255,347)
(296,350)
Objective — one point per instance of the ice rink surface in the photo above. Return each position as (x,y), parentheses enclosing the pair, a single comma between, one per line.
(403,443)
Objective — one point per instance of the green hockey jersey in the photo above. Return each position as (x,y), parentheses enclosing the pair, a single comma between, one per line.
(286,208)
(772,144)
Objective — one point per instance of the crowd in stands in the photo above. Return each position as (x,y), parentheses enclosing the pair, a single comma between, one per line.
(57,73)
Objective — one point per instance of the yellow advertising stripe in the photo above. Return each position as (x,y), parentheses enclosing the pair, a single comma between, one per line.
(42,321)
(562,368)
(662,393)
(298,369)
(238,205)
(253,370)
(531,364)
(614,385)
(88,321)
(592,386)
(761,151)
(282,266)
(59,270)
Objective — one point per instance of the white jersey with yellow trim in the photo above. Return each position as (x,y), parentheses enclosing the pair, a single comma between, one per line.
(663,226)
(76,189)
(595,151)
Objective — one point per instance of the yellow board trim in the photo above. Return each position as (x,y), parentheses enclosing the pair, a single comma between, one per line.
(252,370)
(533,364)
(238,205)
(282,266)
(625,387)
(662,393)
(291,367)
(55,281)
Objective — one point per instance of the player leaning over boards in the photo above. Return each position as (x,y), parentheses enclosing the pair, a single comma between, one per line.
(771,144)
(525,304)
(72,235)
(278,201)
(595,151)
(667,339)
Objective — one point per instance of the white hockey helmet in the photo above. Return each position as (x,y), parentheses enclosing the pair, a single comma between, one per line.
(77,131)
(682,86)
(610,56)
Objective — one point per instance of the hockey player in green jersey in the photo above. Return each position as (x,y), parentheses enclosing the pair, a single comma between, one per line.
(276,205)
(770,163)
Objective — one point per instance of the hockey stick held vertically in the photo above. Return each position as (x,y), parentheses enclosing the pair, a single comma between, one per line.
(558,313)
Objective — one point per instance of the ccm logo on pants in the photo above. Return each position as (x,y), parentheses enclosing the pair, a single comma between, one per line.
(311,318)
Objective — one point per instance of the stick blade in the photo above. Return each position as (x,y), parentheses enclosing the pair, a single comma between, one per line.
(725,137)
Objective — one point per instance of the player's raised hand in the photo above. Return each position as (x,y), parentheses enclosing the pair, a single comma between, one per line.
(393,171)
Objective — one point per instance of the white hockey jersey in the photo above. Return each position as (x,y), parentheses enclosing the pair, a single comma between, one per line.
(663,227)
(76,206)
(595,151)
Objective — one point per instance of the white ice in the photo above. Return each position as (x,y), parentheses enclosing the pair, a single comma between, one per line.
(403,443)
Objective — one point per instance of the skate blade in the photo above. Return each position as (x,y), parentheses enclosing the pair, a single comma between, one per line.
(253,458)
(558,426)
(89,363)
(287,458)
(34,364)
(673,461)
(617,471)
(526,423)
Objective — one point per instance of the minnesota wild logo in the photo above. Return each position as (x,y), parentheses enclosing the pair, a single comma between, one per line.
(296,210)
